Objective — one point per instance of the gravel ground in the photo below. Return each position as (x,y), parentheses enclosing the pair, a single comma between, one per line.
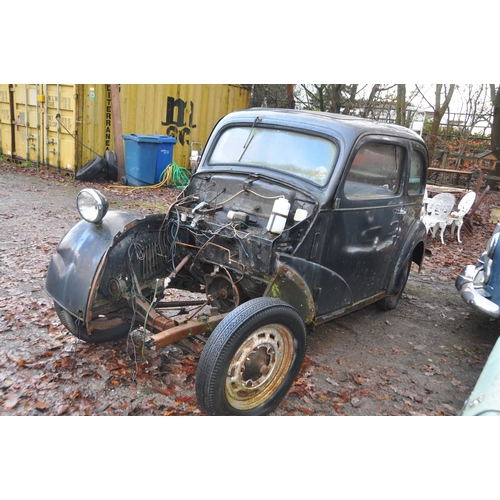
(421,359)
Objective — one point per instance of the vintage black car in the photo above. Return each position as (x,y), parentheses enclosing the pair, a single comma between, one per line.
(292,218)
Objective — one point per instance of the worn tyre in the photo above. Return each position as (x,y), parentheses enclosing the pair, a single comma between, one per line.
(111,166)
(111,329)
(251,359)
(90,170)
(398,284)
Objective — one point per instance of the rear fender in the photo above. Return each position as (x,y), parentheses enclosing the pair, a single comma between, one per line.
(414,248)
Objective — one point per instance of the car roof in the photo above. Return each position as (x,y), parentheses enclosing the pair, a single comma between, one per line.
(347,125)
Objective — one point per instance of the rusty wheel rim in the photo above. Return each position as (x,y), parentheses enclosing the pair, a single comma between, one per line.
(259,366)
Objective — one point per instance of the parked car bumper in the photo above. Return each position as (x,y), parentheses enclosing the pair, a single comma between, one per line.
(471,294)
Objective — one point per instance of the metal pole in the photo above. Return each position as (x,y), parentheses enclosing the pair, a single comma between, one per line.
(117,129)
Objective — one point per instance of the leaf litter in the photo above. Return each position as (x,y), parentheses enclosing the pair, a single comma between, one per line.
(366,363)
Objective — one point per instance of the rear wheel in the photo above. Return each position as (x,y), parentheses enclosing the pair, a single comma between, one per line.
(106,329)
(391,300)
(251,359)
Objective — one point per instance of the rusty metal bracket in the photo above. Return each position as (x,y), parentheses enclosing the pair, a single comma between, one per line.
(185,330)
(154,320)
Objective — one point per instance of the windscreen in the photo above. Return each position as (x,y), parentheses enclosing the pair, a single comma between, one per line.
(307,156)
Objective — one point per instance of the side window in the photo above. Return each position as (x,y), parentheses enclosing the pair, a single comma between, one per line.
(415,184)
(375,171)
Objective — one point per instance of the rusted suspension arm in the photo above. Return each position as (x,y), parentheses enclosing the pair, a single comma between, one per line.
(155,321)
(185,330)
(170,330)
(176,304)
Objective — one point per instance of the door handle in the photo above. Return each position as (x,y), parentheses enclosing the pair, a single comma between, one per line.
(400,211)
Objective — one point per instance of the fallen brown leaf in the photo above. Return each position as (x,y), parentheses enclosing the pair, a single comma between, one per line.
(11,402)
(42,405)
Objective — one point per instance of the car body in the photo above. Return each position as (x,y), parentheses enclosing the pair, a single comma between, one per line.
(346,230)
(479,284)
(299,215)
(484,399)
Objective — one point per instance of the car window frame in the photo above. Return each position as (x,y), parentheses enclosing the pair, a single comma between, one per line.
(420,150)
(355,201)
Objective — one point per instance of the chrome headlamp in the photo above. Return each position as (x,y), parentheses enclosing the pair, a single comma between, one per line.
(92,205)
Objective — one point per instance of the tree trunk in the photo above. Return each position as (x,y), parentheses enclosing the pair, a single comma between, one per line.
(352,99)
(321,97)
(495,128)
(291,99)
(439,112)
(373,93)
(401,105)
(334,93)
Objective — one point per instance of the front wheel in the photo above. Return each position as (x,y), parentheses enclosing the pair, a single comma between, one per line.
(251,359)
(106,329)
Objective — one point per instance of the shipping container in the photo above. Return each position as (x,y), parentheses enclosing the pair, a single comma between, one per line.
(65,126)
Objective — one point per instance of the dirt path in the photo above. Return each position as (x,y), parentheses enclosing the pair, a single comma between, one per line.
(421,359)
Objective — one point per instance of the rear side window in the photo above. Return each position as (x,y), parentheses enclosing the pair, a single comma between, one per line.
(375,171)
(416,185)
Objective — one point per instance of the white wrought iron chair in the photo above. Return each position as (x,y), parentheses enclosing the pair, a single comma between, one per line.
(438,210)
(426,199)
(456,219)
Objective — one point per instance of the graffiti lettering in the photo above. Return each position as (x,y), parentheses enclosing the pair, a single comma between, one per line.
(175,119)
(179,134)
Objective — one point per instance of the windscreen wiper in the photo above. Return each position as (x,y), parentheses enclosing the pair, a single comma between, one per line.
(249,138)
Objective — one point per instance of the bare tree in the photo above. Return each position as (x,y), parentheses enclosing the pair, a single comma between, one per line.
(351,102)
(343,98)
(334,92)
(495,126)
(270,95)
(474,109)
(369,103)
(380,104)
(401,105)
(291,98)
(312,96)
(439,109)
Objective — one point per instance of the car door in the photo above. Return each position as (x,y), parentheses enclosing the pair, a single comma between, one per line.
(369,217)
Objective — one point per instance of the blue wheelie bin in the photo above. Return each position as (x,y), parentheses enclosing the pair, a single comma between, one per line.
(146,157)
